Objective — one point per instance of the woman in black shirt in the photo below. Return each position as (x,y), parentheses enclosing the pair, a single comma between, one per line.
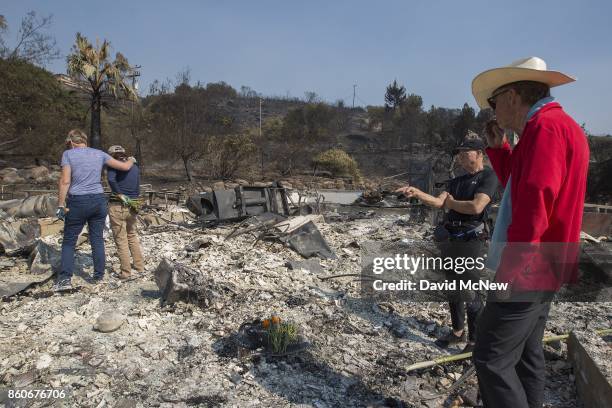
(467,199)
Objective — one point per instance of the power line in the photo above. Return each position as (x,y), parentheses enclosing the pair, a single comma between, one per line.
(362,101)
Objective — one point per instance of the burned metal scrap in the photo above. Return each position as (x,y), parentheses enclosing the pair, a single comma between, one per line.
(300,233)
(43,205)
(18,237)
(239,203)
(384,199)
(305,238)
(11,288)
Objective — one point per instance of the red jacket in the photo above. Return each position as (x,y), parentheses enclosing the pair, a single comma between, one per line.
(549,168)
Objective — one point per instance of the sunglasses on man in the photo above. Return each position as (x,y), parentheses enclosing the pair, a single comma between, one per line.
(492,101)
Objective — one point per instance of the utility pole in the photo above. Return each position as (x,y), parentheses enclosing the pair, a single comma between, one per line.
(134,74)
(354,86)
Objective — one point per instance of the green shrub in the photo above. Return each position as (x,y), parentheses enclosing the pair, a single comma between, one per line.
(35,109)
(339,163)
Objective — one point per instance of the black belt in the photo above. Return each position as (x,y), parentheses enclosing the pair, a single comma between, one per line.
(471,224)
(464,230)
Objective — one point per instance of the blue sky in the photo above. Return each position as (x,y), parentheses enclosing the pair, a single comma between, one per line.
(434,48)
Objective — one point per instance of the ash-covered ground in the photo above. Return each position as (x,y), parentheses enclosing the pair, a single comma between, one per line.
(183,355)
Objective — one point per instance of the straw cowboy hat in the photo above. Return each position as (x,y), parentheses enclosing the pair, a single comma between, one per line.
(525,69)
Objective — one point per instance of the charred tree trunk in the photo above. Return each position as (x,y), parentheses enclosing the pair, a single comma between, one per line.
(138,154)
(187,166)
(95,133)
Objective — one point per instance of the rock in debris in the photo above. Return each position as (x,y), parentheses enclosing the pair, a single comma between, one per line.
(11,176)
(108,322)
(44,361)
(197,244)
(8,170)
(180,282)
(38,173)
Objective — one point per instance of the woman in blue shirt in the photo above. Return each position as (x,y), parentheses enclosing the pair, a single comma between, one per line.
(82,200)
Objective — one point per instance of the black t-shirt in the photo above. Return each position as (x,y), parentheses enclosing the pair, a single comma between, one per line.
(464,188)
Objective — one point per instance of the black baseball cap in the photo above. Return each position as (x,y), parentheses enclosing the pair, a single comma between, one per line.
(470,144)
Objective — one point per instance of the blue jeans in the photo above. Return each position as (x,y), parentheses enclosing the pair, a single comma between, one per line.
(90,209)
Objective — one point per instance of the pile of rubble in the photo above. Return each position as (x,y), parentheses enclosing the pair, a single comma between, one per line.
(166,338)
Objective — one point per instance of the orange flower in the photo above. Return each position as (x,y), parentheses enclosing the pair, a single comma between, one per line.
(275,320)
(265,323)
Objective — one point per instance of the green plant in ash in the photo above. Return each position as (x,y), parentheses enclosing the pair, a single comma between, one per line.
(280,334)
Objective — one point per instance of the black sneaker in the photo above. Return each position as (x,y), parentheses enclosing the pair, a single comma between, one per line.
(62,285)
(450,338)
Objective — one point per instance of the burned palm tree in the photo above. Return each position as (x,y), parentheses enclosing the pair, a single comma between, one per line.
(93,66)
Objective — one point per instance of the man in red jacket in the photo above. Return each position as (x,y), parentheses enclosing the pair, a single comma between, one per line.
(537,232)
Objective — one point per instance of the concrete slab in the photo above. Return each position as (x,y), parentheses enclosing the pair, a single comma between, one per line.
(590,356)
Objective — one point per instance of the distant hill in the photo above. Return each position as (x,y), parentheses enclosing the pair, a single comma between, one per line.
(38,108)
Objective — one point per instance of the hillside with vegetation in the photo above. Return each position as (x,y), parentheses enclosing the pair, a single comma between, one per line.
(186,129)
